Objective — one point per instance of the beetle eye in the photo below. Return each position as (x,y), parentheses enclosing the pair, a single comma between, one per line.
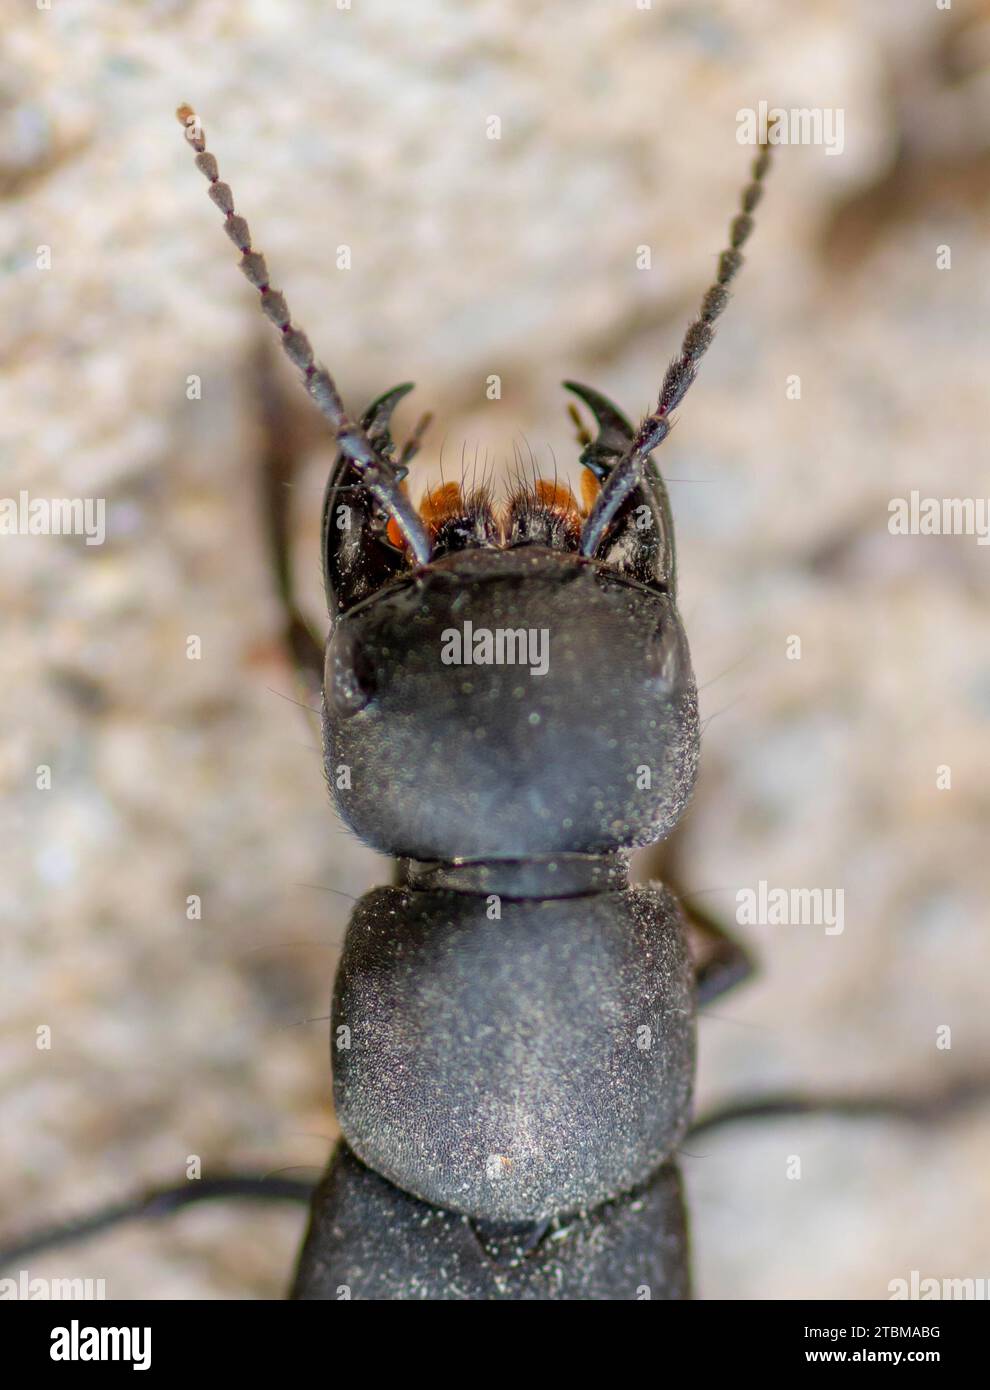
(349,674)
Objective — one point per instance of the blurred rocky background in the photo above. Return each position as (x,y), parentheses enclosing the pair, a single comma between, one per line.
(365,125)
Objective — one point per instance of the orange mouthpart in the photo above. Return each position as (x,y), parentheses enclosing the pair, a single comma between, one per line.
(447,501)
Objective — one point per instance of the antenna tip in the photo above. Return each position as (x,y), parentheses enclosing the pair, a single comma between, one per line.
(187,117)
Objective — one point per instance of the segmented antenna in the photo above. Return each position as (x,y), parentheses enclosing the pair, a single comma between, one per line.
(378,474)
(654,428)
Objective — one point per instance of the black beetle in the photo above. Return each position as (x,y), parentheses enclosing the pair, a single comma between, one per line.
(509,710)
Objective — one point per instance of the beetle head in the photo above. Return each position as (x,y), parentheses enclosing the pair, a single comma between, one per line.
(510,703)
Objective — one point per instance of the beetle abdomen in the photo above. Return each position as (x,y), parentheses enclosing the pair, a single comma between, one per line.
(368,1240)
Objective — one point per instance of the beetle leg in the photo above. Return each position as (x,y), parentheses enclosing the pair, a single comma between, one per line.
(278,468)
(921,1109)
(721,960)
